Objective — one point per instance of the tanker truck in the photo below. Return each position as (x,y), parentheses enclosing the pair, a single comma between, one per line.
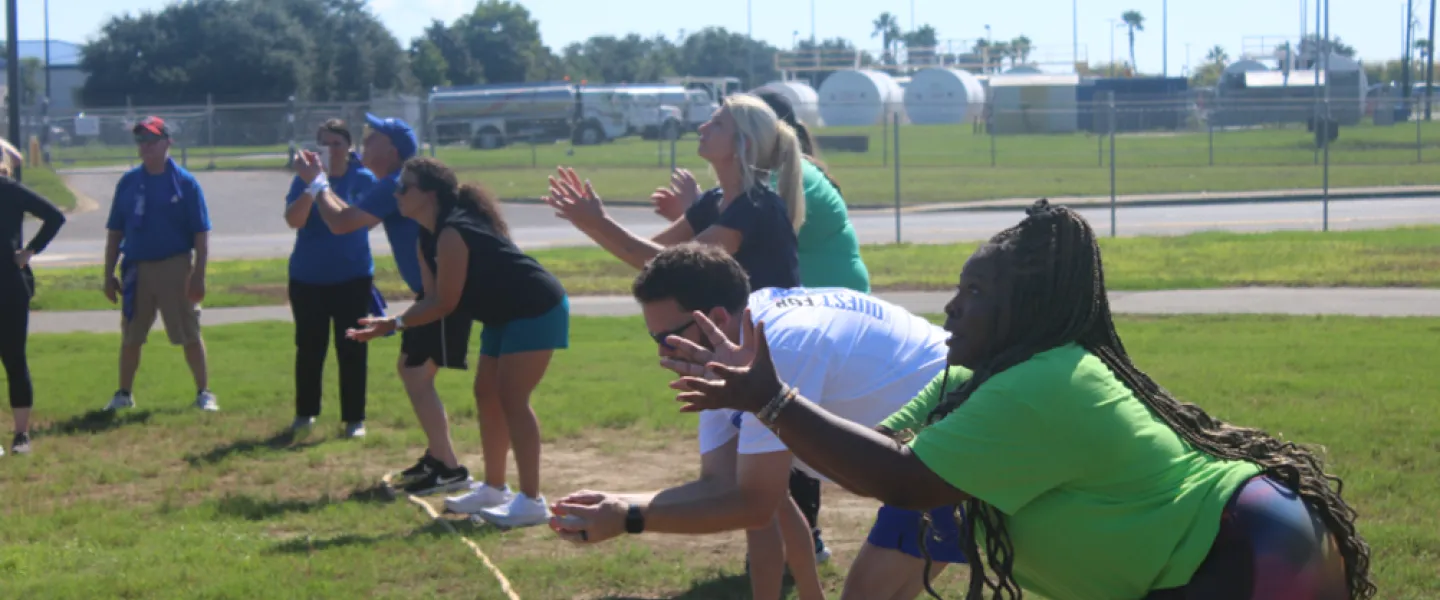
(494,115)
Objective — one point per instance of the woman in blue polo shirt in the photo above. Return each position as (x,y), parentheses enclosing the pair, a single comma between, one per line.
(331,285)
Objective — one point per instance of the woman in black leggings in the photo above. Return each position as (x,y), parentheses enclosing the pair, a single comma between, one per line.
(17,286)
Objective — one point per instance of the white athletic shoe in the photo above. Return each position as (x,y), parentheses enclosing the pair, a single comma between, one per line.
(480,497)
(206,401)
(121,400)
(521,511)
(302,425)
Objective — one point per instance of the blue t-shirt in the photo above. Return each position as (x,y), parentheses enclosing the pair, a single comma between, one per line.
(769,251)
(320,257)
(399,229)
(173,211)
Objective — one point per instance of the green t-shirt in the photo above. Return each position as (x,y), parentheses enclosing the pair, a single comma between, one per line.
(1102,499)
(828,247)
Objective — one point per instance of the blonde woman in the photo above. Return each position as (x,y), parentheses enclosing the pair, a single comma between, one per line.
(745,143)
(17,286)
(747,147)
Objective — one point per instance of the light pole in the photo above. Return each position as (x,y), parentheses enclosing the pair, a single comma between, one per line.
(749,46)
(812,22)
(1429,61)
(1113,27)
(12,77)
(45,107)
(1075,32)
(1165,37)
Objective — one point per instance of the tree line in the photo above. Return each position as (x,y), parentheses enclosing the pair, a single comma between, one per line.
(237,51)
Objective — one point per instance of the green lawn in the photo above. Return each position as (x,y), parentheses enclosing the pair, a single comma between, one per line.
(48,184)
(164,501)
(946,163)
(1386,257)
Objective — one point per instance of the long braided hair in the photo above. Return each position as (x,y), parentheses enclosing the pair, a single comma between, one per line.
(1058,297)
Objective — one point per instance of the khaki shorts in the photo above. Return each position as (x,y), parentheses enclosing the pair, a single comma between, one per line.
(161,286)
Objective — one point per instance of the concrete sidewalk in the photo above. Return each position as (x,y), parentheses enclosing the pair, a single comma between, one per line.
(1366,302)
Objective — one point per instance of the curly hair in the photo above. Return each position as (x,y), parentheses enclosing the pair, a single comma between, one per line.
(1058,297)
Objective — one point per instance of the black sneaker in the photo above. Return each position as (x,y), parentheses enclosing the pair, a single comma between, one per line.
(21,444)
(440,480)
(422,467)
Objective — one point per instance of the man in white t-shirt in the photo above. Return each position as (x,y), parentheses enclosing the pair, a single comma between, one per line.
(860,357)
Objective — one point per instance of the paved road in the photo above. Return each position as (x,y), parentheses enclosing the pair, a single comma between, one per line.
(245,208)
(1371,302)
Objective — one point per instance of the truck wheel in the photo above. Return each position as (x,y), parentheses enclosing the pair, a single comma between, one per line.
(589,134)
(489,138)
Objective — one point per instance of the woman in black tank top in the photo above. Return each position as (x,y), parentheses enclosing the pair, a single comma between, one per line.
(472,270)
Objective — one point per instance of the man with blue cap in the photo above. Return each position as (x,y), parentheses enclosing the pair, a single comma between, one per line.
(389,143)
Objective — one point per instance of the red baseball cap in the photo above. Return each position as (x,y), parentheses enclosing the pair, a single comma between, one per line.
(152,125)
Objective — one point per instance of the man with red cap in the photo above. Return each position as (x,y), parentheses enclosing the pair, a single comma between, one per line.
(160,223)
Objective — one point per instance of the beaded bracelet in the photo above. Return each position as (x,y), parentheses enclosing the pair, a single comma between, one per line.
(771,411)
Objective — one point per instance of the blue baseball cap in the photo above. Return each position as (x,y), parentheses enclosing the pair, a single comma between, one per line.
(399,133)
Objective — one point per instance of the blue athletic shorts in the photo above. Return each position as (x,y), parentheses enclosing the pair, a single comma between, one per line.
(550,331)
(899,529)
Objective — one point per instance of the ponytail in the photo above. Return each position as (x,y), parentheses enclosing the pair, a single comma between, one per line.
(487,204)
(788,157)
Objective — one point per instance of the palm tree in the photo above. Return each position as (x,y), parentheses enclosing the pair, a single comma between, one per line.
(1134,21)
(1217,55)
(887,28)
(1020,48)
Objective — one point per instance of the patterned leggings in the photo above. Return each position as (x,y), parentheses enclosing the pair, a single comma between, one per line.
(1270,547)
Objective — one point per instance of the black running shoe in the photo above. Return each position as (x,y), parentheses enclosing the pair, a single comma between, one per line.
(440,480)
(422,467)
(21,444)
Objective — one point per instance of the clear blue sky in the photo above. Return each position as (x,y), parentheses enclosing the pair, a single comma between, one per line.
(1374,29)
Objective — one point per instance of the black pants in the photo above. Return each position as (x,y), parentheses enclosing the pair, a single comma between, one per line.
(806,492)
(320,312)
(14,329)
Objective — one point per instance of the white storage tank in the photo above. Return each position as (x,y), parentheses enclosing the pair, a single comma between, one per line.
(1034,104)
(940,96)
(802,98)
(859,98)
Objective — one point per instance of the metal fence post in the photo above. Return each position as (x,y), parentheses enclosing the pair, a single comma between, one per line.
(1111,96)
(1325,194)
(991,130)
(210,126)
(1415,114)
(290,118)
(885,142)
(895,118)
(673,140)
(1210,124)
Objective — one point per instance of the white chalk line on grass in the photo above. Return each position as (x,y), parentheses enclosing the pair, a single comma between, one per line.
(494,570)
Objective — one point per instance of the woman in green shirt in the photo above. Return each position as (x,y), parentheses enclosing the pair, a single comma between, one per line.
(1087,480)
(828,246)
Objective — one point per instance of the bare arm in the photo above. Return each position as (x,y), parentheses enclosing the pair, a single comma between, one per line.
(442,292)
(748,502)
(298,212)
(863,460)
(112,251)
(202,255)
(340,217)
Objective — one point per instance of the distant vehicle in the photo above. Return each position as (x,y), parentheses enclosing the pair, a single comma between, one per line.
(495,115)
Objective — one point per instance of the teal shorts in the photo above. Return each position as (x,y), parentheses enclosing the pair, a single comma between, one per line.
(550,331)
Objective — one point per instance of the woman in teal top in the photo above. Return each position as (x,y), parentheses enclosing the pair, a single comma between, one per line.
(1087,480)
(828,247)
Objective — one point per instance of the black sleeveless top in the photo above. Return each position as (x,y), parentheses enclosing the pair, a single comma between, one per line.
(502,283)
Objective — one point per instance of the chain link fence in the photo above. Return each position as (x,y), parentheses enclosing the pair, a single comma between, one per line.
(1019,146)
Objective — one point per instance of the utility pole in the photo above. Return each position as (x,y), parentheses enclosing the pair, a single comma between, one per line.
(749,46)
(1113,25)
(1075,32)
(45,107)
(12,77)
(1430,61)
(1165,37)
(1408,51)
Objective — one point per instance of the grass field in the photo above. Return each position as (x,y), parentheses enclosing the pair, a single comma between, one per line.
(1387,257)
(164,501)
(48,184)
(946,163)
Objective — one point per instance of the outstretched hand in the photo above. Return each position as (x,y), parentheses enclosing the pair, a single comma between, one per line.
(748,387)
(691,359)
(371,328)
(672,202)
(574,200)
(307,166)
